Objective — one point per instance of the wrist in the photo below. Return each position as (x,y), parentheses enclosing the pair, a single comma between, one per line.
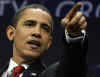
(75,34)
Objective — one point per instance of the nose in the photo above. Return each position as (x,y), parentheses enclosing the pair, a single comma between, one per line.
(36,35)
(37,32)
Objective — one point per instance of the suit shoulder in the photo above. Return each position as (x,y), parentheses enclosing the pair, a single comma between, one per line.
(51,70)
(53,66)
(3,67)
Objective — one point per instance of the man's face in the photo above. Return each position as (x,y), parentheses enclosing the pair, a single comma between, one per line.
(32,34)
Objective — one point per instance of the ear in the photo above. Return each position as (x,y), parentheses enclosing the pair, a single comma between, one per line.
(50,41)
(10,32)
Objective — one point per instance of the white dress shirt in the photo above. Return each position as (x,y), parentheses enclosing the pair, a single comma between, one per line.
(12,65)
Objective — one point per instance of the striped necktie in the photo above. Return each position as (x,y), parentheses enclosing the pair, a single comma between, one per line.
(17,71)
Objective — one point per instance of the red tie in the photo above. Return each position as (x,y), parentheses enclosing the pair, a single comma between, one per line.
(17,70)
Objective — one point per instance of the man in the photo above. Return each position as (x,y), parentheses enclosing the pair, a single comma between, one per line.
(31,34)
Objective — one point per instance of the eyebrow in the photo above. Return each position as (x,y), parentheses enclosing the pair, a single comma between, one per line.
(29,21)
(32,21)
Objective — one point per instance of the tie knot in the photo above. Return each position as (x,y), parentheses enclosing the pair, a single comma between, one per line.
(19,69)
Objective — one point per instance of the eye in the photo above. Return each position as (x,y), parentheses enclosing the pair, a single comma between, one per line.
(46,27)
(30,23)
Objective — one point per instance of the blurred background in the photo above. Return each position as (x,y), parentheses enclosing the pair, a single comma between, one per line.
(58,8)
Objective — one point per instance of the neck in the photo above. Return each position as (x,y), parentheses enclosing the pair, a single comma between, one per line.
(24,60)
(19,60)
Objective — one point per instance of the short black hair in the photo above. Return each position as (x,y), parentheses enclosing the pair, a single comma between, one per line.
(18,15)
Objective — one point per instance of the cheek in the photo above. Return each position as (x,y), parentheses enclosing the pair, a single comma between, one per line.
(20,37)
(45,42)
(21,33)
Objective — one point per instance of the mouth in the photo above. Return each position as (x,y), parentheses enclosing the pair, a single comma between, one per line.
(34,44)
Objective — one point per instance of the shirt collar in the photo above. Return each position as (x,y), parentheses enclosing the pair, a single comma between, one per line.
(13,64)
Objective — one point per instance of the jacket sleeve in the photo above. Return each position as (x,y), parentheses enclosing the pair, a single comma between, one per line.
(74,59)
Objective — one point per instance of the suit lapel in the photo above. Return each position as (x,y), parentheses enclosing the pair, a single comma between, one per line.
(2,70)
(34,70)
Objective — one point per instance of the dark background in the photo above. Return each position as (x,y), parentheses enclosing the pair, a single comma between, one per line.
(90,9)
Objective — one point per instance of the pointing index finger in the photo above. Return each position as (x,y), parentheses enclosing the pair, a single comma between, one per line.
(74,10)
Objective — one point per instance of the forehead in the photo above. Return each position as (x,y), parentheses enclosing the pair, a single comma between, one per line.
(36,14)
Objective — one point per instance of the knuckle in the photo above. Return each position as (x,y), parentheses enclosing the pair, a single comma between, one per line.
(84,25)
(83,18)
(79,13)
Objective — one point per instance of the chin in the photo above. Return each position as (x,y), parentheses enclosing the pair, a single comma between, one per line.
(31,57)
(34,54)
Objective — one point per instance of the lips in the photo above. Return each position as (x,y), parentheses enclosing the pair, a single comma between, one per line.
(35,44)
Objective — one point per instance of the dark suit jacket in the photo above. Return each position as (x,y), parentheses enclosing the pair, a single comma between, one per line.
(73,62)
(39,69)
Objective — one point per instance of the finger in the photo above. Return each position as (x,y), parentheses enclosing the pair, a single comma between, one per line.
(76,18)
(64,21)
(82,20)
(73,11)
(84,25)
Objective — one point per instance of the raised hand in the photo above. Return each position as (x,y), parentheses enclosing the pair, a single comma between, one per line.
(74,21)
